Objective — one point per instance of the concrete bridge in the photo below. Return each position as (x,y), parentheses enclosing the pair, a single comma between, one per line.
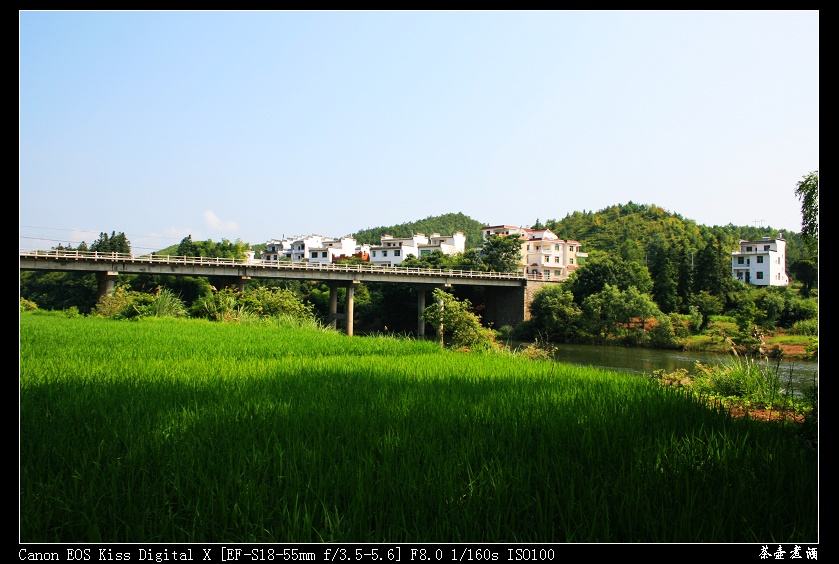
(508,293)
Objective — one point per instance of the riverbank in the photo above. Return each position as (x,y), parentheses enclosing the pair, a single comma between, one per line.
(798,351)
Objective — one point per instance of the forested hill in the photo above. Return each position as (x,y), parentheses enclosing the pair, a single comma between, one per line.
(628,229)
(446,224)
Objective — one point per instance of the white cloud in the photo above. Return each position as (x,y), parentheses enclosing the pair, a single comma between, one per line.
(215,222)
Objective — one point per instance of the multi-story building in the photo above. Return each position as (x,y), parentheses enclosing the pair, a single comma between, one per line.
(393,250)
(334,250)
(447,244)
(277,249)
(761,263)
(543,254)
(314,249)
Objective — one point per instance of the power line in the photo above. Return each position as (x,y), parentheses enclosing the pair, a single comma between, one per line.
(77,243)
(96,232)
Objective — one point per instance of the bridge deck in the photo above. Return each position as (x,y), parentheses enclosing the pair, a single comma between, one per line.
(124,263)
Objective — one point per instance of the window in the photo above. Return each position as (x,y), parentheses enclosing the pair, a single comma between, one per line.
(760,276)
(766,247)
(397,253)
(384,253)
(556,247)
(314,254)
(570,261)
(374,253)
(760,260)
(556,259)
(740,260)
(546,258)
(571,248)
(424,252)
(748,249)
(740,276)
(323,254)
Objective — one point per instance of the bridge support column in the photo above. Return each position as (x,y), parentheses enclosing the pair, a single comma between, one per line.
(420,310)
(350,300)
(106,282)
(333,304)
(240,283)
(506,306)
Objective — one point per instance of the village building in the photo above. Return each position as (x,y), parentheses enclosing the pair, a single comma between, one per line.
(761,263)
(543,254)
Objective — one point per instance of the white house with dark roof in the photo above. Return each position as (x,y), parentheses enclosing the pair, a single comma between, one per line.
(447,244)
(392,250)
(761,263)
(277,250)
(332,250)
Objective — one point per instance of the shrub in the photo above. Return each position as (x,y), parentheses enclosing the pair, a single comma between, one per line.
(663,335)
(805,327)
(26,305)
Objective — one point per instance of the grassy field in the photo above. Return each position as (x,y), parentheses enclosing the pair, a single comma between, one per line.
(190,431)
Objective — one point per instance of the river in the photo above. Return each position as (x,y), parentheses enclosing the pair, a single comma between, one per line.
(646,361)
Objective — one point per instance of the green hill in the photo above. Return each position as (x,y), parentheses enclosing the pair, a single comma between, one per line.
(445,224)
(622,229)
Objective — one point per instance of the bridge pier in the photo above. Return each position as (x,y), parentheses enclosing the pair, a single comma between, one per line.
(350,296)
(420,310)
(334,316)
(106,282)
(506,306)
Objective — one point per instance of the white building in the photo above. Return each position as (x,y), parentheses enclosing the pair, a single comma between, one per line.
(543,254)
(447,244)
(277,249)
(761,263)
(393,250)
(331,250)
(315,249)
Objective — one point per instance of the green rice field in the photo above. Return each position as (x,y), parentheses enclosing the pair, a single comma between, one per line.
(176,431)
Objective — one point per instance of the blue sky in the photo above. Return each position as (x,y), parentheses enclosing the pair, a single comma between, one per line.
(258,125)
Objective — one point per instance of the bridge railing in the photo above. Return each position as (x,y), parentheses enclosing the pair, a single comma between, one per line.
(259,263)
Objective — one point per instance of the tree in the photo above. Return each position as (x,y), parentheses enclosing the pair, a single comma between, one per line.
(447,313)
(116,243)
(502,253)
(808,192)
(806,269)
(554,313)
(187,247)
(602,312)
(602,269)
(664,265)
(706,305)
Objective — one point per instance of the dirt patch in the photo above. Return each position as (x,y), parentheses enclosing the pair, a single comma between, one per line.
(763,414)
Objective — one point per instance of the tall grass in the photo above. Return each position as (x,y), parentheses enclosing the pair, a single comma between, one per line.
(192,431)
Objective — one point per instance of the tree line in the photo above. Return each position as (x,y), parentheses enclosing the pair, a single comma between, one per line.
(644,263)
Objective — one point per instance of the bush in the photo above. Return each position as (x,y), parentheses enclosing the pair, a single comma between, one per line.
(275,301)
(663,334)
(130,304)
(745,379)
(808,327)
